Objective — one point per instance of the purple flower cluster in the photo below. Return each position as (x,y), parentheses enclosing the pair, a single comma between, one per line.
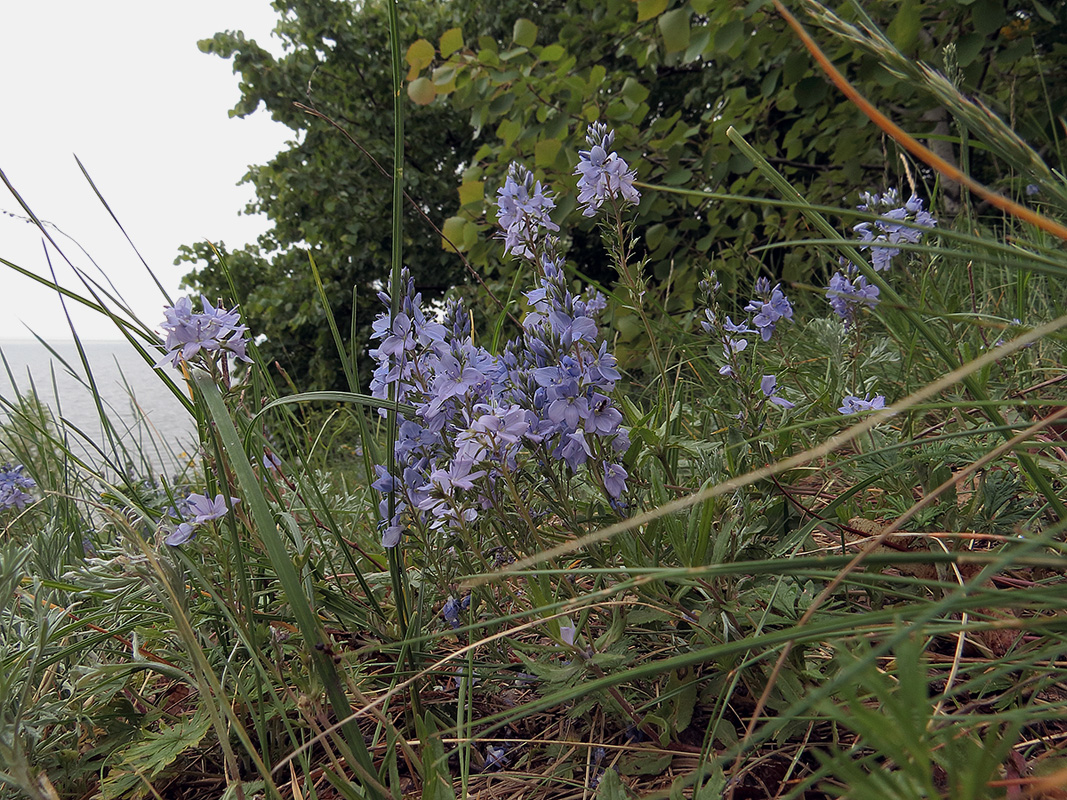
(195,510)
(846,295)
(541,404)
(603,174)
(523,207)
(890,228)
(478,417)
(769,306)
(12,486)
(213,330)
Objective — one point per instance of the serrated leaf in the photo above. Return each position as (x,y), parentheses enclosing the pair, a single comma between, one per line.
(243,789)
(647,9)
(674,27)
(524,33)
(452,234)
(421,91)
(153,754)
(451,41)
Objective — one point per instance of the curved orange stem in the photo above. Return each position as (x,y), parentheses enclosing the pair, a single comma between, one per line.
(910,143)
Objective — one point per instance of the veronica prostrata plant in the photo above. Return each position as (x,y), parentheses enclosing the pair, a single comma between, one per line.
(849,292)
(487,429)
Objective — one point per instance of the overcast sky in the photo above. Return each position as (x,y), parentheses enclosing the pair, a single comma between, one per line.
(124,86)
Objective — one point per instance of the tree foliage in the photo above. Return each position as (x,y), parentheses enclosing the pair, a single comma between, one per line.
(522,81)
(326,197)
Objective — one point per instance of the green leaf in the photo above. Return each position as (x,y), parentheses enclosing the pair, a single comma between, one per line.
(525,33)
(452,233)
(683,685)
(444,79)
(633,91)
(644,763)
(554,52)
(471,192)
(611,787)
(988,16)
(1044,13)
(436,779)
(674,27)
(654,235)
(728,35)
(968,47)
(647,9)
(243,789)
(545,152)
(509,130)
(904,29)
(677,176)
(420,55)
(451,41)
(596,77)
(810,91)
(421,91)
(151,755)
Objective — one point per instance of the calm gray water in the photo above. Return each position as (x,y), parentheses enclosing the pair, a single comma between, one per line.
(147,417)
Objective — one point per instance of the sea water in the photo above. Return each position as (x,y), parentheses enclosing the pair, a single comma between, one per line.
(151,428)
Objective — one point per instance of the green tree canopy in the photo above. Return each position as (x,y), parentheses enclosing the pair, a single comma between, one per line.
(521,81)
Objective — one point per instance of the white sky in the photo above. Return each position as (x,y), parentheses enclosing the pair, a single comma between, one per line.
(123,85)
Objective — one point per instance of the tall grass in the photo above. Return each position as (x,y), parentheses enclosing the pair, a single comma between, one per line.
(785,601)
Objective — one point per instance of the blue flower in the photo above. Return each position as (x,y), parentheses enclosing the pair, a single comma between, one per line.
(615,480)
(12,484)
(453,608)
(768,385)
(883,233)
(481,417)
(855,405)
(196,510)
(603,174)
(214,330)
(523,207)
(496,757)
(846,296)
(769,307)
